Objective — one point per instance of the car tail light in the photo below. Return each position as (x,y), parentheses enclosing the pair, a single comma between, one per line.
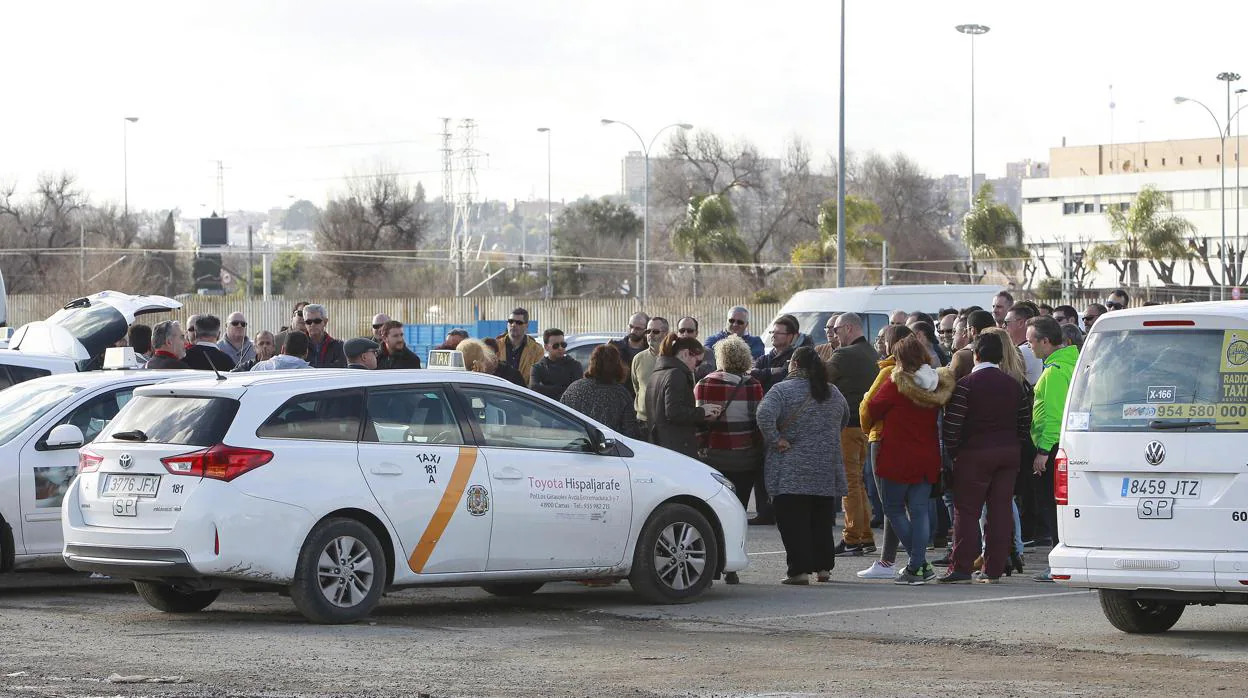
(1061,482)
(1061,577)
(1169,323)
(219,462)
(88,462)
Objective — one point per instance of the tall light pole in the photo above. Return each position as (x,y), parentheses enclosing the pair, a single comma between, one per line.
(1239,260)
(125,161)
(1223,132)
(645,214)
(550,279)
(973,30)
(840,169)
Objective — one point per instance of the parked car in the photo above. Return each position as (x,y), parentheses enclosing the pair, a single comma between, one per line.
(580,346)
(43,422)
(1150,480)
(75,337)
(337,489)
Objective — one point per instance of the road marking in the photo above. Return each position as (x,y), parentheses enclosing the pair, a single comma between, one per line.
(442,515)
(769,552)
(902,607)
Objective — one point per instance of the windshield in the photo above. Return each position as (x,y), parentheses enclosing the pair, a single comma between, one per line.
(1132,379)
(180,420)
(23,404)
(97,327)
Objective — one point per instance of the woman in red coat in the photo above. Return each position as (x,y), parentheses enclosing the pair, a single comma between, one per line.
(908,464)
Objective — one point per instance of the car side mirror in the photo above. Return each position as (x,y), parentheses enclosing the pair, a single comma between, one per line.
(599,441)
(64,436)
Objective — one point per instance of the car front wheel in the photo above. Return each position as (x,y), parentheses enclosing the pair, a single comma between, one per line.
(341,573)
(169,599)
(676,556)
(1138,616)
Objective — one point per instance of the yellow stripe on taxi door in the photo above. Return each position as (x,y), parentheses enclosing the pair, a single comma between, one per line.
(446,508)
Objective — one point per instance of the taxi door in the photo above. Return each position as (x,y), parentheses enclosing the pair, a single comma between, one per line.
(557,504)
(432,485)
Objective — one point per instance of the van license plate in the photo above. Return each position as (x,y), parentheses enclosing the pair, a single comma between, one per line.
(126,506)
(1155,509)
(1175,488)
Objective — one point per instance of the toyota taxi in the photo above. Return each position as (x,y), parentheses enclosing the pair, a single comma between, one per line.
(1152,477)
(335,485)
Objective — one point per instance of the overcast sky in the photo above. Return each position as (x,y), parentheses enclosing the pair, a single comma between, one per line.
(285,92)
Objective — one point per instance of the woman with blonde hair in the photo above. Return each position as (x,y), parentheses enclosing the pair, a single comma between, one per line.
(731,442)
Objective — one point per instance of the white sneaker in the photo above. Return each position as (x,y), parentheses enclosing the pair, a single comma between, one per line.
(878,570)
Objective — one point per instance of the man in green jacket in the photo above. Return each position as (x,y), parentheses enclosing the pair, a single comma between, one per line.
(1045,337)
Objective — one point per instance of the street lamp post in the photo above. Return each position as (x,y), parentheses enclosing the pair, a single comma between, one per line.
(973,30)
(1223,132)
(645,214)
(840,168)
(550,279)
(1239,259)
(125,161)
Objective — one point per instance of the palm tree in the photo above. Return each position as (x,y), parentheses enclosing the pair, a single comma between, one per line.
(992,233)
(1146,230)
(709,233)
(860,216)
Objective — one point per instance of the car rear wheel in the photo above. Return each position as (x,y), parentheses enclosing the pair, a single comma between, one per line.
(169,599)
(676,556)
(1136,615)
(513,589)
(341,573)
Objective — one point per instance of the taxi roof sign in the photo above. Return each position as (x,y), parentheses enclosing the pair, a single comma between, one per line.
(446,360)
(119,358)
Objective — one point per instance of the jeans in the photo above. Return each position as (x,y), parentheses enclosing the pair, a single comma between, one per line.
(873,488)
(806,529)
(906,506)
(1018,528)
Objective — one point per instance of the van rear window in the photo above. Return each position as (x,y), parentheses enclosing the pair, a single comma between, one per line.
(180,420)
(1134,380)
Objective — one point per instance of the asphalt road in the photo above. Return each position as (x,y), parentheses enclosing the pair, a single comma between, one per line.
(65,637)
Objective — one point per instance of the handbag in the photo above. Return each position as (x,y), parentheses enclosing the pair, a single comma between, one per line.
(793,417)
(704,450)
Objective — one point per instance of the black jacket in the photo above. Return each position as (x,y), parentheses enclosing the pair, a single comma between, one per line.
(205,358)
(772,367)
(331,354)
(551,378)
(506,372)
(853,369)
(403,358)
(672,414)
(164,362)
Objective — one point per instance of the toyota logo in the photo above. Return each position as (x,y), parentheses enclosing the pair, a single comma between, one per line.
(126,461)
(1155,453)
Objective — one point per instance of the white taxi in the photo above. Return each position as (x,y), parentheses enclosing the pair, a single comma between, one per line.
(335,485)
(1151,480)
(43,422)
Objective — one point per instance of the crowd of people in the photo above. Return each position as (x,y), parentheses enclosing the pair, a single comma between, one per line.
(942,432)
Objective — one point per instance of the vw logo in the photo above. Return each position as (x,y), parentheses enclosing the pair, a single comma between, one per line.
(126,461)
(1155,453)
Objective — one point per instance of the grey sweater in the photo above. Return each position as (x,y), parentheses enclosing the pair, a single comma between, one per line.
(814,464)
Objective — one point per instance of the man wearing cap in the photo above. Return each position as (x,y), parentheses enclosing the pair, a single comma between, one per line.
(361,353)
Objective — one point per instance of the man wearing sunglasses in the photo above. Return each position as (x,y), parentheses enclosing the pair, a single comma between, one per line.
(379,321)
(738,324)
(235,344)
(1118,300)
(517,348)
(1092,314)
(556,371)
(323,350)
(633,343)
(643,365)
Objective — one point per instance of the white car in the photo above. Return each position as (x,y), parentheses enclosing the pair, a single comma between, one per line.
(580,346)
(75,337)
(1151,480)
(43,422)
(336,485)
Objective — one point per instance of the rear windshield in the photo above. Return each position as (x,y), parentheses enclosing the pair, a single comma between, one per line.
(1137,380)
(97,327)
(180,420)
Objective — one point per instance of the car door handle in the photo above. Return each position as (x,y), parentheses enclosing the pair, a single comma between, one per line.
(508,474)
(386,469)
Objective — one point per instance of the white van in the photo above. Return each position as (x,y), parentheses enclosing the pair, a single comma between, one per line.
(874,304)
(1152,477)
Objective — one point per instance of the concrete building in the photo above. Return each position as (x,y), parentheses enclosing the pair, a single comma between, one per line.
(1068,208)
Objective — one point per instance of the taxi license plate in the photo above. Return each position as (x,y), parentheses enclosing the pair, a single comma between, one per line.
(129,485)
(1174,488)
(1155,509)
(126,506)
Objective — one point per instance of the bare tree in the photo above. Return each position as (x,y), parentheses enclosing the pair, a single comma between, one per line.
(42,224)
(377,216)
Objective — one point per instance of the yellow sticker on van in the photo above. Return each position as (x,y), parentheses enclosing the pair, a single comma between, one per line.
(1235,351)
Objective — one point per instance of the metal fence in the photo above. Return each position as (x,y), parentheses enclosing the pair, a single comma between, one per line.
(349,318)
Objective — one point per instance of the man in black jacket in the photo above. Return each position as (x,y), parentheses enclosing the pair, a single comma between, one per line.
(323,350)
(361,353)
(204,355)
(394,351)
(556,371)
(167,346)
(772,367)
